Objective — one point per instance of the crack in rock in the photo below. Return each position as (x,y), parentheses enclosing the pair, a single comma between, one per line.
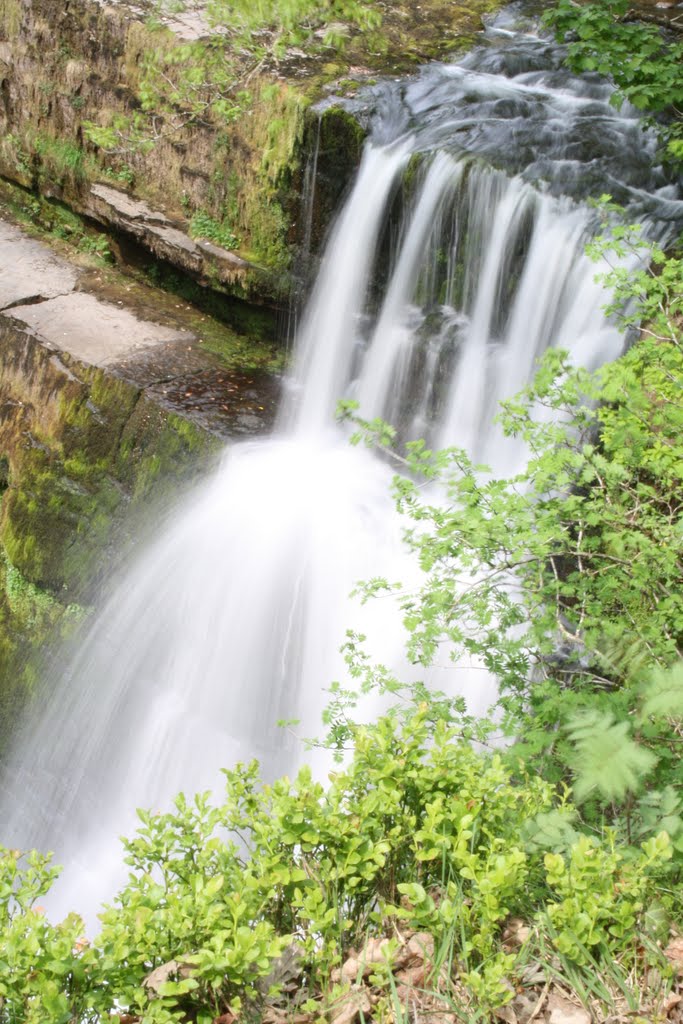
(32,300)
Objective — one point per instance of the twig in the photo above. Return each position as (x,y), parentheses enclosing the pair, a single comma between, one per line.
(539,1005)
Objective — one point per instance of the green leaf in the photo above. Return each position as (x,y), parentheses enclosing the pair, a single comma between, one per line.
(607,759)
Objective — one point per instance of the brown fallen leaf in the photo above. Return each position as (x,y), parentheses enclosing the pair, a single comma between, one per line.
(171,971)
(506,1014)
(278,1015)
(528,1005)
(560,1011)
(674,953)
(418,949)
(670,1003)
(349,970)
(349,1008)
(516,933)
(375,951)
(412,977)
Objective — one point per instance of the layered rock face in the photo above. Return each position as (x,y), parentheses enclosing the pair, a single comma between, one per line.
(109,406)
(81,449)
(63,66)
(219,197)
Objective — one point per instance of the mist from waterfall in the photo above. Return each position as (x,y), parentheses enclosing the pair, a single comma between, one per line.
(457,259)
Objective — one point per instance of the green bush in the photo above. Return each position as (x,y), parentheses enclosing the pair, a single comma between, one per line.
(419,833)
(563,580)
(203,225)
(645,63)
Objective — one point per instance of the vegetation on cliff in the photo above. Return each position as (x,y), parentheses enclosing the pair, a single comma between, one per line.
(431,876)
(209,124)
(440,874)
(82,451)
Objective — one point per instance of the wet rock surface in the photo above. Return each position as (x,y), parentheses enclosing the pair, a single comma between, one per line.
(110,406)
(219,399)
(89,329)
(30,272)
(74,311)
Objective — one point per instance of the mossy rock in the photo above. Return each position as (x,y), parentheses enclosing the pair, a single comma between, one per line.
(83,63)
(336,138)
(81,453)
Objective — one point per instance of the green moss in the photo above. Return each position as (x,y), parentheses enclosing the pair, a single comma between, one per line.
(262,169)
(203,225)
(247,342)
(31,620)
(145,42)
(337,138)
(241,351)
(87,455)
(53,220)
(16,160)
(69,486)
(155,451)
(28,603)
(10,18)
(59,160)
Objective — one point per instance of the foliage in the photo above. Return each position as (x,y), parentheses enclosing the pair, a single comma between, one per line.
(207,81)
(564,581)
(419,832)
(204,226)
(44,968)
(55,220)
(646,65)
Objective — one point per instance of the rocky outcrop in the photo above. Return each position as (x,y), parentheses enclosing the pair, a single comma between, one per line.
(201,259)
(65,67)
(82,450)
(109,393)
(108,405)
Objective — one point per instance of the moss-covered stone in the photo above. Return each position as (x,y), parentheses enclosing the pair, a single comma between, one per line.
(82,452)
(336,138)
(83,63)
(10,18)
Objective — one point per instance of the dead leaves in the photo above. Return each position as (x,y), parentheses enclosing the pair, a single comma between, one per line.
(674,954)
(393,980)
(515,935)
(415,951)
(355,1003)
(559,1010)
(174,970)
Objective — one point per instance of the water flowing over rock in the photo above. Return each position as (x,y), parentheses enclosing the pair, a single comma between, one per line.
(456,261)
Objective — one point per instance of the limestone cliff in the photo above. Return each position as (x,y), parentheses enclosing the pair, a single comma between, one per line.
(231,185)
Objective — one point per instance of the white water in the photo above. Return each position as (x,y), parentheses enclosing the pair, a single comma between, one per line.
(234,617)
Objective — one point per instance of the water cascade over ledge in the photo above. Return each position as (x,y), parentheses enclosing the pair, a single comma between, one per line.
(456,261)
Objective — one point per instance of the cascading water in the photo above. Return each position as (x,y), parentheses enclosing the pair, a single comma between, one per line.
(233,618)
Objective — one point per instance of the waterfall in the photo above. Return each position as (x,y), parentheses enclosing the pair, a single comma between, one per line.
(233,617)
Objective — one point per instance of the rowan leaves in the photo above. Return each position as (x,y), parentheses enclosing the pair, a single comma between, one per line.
(606,757)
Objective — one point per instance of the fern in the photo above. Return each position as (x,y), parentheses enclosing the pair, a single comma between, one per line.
(608,759)
(663,696)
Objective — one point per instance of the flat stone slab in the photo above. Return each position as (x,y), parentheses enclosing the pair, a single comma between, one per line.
(29,271)
(91,330)
(128,206)
(189,24)
(69,309)
(223,400)
(199,257)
